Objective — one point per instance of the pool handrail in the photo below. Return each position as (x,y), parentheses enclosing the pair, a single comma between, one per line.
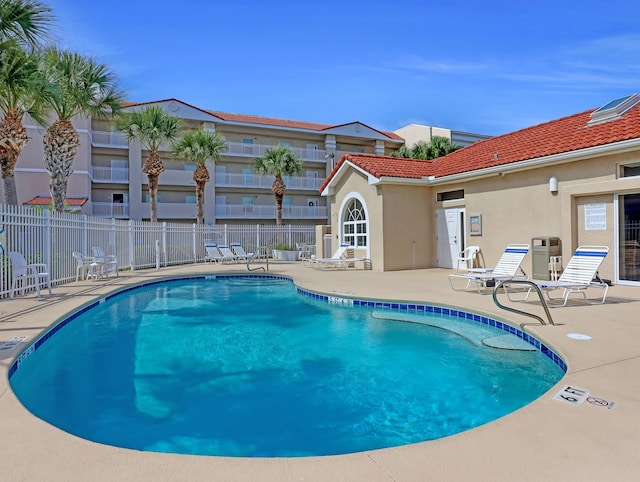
(532,285)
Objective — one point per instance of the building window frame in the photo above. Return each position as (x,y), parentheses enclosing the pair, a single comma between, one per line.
(353,222)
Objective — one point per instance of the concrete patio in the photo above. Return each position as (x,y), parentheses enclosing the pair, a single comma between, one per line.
(546,440)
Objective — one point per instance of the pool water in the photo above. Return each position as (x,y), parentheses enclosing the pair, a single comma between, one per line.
(248,367)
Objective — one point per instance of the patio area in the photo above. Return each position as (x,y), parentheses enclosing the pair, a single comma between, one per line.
(546,440)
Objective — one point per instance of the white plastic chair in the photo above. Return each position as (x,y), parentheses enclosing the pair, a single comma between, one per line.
(22,272)
(86,266)
(468,258)
(109,263)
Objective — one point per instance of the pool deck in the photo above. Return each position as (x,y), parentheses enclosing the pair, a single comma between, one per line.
(546,440)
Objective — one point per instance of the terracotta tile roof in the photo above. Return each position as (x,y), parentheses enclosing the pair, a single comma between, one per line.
(384,166)
(46,201)
(269,121)
(555,137)
(559,136)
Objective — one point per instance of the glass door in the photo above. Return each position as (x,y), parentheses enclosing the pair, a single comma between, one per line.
(629,235)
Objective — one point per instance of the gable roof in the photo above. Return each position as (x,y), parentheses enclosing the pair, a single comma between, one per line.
(266,121)
(565,135)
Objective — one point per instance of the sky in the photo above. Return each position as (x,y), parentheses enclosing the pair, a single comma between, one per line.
(486,67)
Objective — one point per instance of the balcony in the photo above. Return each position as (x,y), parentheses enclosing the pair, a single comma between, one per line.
(109,139)
(255,181)
(117,139)
(110,174)
(110,210)
(257,150)
(255,211)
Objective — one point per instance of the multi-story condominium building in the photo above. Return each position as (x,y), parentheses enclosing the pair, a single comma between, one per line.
(416,132)
(108,181)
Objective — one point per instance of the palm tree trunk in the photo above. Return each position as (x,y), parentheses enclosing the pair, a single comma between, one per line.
(200,202)
(60,146)
(153,196)
(279,198)
(9,188)
(200,177)
(13,139)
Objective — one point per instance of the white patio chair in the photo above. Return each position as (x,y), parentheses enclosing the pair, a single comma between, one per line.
(109,263)
(343,258)
(468,258)
(22,272)
(213,253)
(239,251)
(228,256)
(507,268)
(580,274)
(86,267)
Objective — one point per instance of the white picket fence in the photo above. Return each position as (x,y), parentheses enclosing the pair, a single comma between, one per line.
(48,237)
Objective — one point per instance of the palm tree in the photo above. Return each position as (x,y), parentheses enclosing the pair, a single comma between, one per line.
(278,161)
(198,147)
(27,22)
(23,90)
(150,126)
(23,23)
(85,87)
(436,147)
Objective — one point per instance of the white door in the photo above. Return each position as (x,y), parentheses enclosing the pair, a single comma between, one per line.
(451,235)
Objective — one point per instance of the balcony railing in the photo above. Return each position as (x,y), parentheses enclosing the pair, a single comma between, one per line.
(257,150)
(110,174)
(110,210)
(243,211)
(265,182)
(117,139)
(111,139)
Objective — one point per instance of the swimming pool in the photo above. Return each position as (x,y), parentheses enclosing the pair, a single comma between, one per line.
(250,366)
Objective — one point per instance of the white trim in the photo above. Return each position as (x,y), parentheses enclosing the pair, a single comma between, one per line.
(616,238)
(564,157)
(345,200)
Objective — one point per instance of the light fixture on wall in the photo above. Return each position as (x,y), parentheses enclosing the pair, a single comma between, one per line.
(553,184)
(332,156)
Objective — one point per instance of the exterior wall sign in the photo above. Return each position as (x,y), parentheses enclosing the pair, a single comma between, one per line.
(475,224)
(595,217)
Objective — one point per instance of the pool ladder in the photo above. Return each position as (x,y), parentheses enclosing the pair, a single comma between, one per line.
(261,252)
(532,285)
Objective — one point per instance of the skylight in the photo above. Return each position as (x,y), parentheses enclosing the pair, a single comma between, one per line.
(614,109)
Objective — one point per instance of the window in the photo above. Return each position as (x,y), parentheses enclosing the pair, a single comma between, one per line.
(247,176)
(354,227)
(190,199)
(450,195)
(630,170)
(247,145)
(247,204)
(286,144)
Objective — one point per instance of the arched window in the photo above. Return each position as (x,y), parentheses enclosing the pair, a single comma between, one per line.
(354,227)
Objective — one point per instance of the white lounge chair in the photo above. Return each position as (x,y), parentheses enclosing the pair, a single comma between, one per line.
(240,253)
(343,258)
(213,253)
(22,272)
(580,274)
(228,256)
(507,268)
(106,263)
